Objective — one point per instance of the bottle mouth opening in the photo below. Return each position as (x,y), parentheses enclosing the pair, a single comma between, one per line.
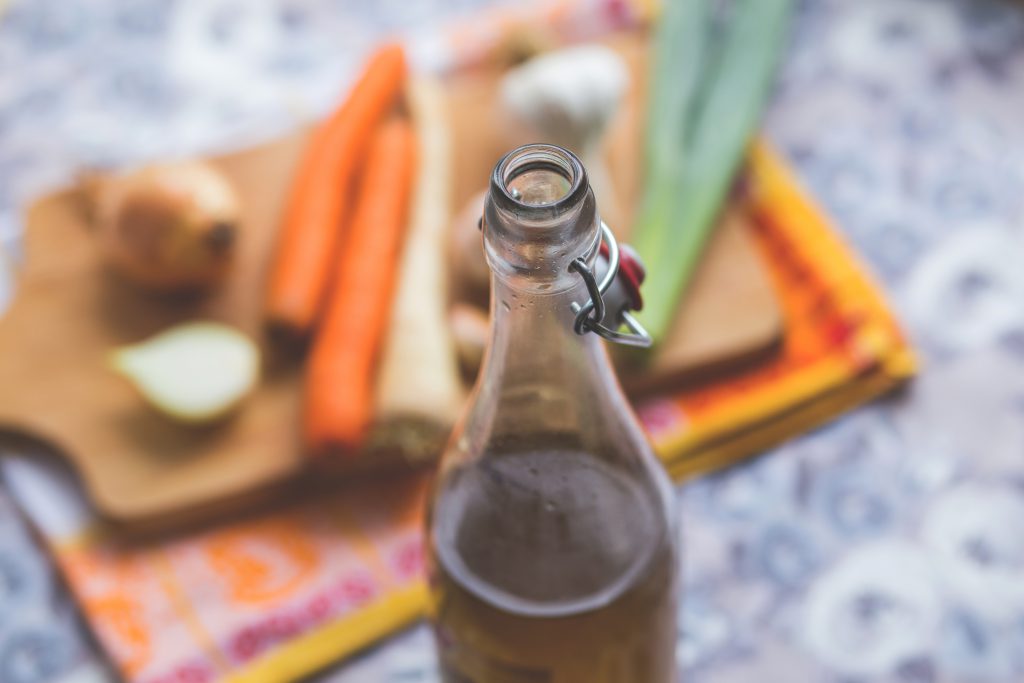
(539,180)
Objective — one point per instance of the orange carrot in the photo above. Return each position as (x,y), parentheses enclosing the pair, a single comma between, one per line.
(341,369)
(321,193)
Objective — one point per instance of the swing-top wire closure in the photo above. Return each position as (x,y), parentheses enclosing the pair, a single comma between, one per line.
(590,316)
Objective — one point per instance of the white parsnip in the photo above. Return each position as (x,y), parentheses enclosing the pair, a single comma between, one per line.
(419,392)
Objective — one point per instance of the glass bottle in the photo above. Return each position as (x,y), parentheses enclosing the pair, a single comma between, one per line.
(552,541)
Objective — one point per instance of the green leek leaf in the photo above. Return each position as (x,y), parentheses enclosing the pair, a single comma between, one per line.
(706,101)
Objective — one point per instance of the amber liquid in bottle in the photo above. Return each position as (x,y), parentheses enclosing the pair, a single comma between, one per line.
(552,547)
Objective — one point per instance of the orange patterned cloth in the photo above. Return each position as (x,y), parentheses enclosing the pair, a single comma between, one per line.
(269,598)
(842,345)
(277,596)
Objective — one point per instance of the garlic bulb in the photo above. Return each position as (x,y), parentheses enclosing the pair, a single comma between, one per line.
(567,97)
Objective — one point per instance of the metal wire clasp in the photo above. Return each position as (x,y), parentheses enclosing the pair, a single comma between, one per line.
(590,316)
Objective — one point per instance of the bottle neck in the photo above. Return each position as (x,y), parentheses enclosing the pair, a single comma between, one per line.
(539,377)
(538,374)
(539,216)
(532,335)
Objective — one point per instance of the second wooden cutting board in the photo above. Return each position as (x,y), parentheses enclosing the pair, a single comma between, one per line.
(730,316)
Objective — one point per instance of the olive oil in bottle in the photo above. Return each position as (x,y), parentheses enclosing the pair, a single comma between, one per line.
(552,543)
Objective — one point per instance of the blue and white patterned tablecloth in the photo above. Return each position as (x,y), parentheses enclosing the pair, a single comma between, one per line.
(886,547)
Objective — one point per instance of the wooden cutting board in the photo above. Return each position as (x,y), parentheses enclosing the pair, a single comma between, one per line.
(140,469)
(68,312)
